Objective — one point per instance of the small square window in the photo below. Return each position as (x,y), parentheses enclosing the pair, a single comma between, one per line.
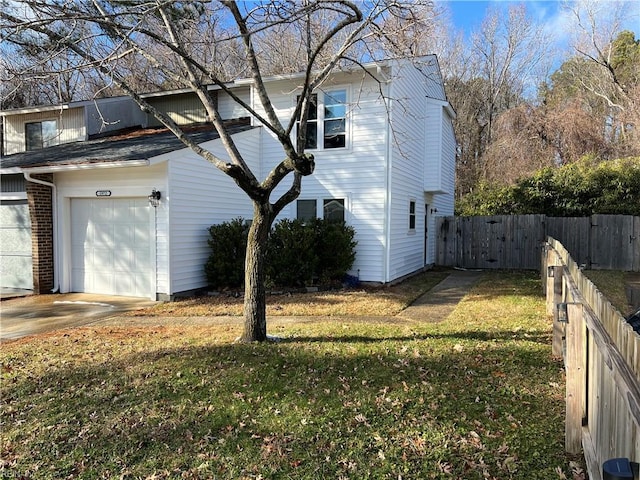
(334,210)
(412,215)
(306,210)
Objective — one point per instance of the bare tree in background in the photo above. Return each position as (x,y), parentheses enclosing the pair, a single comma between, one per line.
(193,44)
(606,68)
(508,53)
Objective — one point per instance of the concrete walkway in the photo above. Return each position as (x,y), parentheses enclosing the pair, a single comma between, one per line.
(436,304)
(433,306)
(37,314)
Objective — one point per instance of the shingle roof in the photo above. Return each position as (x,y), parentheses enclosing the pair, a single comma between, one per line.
(140,145)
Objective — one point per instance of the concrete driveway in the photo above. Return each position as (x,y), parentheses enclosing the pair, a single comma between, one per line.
(34,314)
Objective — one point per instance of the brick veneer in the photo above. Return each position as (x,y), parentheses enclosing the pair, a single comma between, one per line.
(40,211)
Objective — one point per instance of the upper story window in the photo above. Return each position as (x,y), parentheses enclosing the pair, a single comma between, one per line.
(41,134)
(327,120)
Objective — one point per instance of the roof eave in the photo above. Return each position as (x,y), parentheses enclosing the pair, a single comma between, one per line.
(85,166)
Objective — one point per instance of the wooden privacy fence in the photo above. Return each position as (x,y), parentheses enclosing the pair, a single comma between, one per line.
(514,241)
(602,361)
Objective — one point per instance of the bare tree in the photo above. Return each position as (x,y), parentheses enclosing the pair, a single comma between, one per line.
(509,48)
(606,67)
(177,41)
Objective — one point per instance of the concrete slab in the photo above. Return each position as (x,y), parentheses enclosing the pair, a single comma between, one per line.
(7,292)
(436,304)
(35,314)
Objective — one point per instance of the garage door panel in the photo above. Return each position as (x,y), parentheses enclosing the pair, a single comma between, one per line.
(15,245)
(102,211)
(15,239)
(16,271)
(16,215)
(114,255)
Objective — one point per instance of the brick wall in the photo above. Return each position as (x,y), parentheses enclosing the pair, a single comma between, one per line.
(40,210)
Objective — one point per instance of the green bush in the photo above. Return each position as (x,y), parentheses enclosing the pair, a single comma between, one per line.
(579,189)
(297,253)
(225,265)
(292,257)
(336,249)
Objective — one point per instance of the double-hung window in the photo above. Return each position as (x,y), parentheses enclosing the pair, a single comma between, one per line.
(335,119)
(327,120)
(412,215)
(41,134)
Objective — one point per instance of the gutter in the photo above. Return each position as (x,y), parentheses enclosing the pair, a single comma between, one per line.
(54,214)
(84,166)
(28,172)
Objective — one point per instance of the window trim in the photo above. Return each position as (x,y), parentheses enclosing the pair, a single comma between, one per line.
(320,119)
(412,217)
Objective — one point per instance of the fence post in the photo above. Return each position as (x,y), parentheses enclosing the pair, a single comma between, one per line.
(557,296)
(543,266)
(575,378)
(552,262)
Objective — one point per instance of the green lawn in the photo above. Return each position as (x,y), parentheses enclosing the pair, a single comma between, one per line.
(477,396)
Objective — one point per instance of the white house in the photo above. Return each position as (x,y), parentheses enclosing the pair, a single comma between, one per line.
(385,158)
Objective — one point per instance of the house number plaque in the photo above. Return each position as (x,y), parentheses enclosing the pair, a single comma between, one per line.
(103,193)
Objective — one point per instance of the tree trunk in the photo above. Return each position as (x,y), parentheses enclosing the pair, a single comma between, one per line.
(255,307)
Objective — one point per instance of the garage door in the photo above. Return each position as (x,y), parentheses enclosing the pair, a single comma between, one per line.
(111,250)
(15,245)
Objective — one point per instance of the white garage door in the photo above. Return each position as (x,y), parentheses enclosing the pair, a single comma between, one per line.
(15,245)
(111,250)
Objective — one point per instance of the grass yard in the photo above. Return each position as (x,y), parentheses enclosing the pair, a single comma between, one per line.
(371,301)
(478,396)
(612,285)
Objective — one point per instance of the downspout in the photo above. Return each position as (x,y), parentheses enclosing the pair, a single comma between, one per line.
(54,213)
(388,183)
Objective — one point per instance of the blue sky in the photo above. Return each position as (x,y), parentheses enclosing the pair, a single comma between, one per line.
(468,14)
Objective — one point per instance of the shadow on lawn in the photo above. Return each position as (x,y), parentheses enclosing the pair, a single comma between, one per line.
(222,408)
(481,336)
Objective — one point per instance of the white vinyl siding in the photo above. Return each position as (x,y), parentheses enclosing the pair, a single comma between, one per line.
(416,165)
(406,247)
(70,124)
(356,173)
(440,149)
(448,157)
(199,196)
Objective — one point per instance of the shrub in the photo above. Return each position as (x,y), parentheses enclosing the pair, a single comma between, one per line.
(297,253)
(579,189)
(228,242)
(336,249)
(292,257)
